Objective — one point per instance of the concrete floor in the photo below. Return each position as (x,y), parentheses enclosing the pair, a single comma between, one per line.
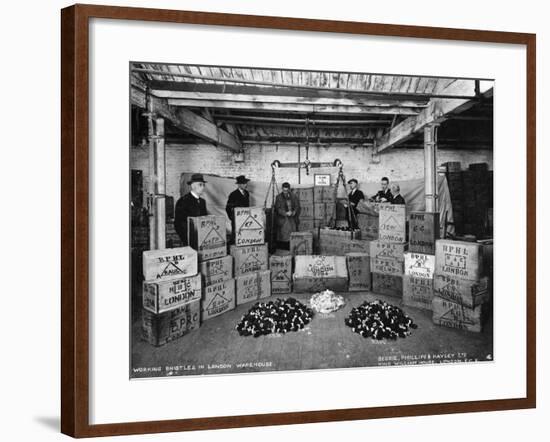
(326,342)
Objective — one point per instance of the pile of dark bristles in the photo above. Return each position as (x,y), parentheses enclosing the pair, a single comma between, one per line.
(279,316)
(379,320)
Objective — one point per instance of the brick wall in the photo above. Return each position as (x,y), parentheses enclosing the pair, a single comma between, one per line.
(397,164)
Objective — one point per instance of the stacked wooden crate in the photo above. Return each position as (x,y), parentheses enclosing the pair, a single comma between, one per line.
(305,198)
(306,220)
(339,242)
(472,199)
(171,294)
(461,292)
(387,253)
(301,243)
(281,273)
(324,205)
(420,260)
(250,255)
(368,219)
(314,273)
(359,275)
(207,234)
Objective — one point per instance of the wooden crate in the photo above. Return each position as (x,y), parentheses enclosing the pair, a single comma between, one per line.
(253,286)
(307,211)
(387,266)
(249,226)
(160,296)
(423,232)
(218,299)
(384,249)
(324,194)
(459,258)
(392,223)
(339,247)
(301,243)
(320,266)
(281,273)
(390,285)
(169,263)
(304,194)
(450,314)
(419,265)
(249,259)
(320,210)
(462,291)
(207,235)
(358,271)
(305,224)
(166,327)
(418,292)
(338,235)
(368,225)
(216,270)
(310,284)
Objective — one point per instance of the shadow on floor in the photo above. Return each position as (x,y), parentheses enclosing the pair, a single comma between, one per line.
(50,422)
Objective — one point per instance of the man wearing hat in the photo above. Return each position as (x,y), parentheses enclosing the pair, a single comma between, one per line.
(355,196)
(239,197)
(287,209)
(190,204)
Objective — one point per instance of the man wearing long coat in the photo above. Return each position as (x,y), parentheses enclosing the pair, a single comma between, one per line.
(239,197)
(287,209)
(190,204)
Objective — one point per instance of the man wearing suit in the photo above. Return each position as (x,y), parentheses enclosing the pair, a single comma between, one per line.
(396,196)
(384,195)
(354,197)
(188,205)
(239,197)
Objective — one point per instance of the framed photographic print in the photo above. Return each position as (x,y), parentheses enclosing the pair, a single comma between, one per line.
(275,219)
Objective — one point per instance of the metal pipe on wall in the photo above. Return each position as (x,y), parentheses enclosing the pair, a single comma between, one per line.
(430,167)
(157,187)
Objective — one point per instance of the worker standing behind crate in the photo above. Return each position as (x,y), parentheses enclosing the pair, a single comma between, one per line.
(287,207)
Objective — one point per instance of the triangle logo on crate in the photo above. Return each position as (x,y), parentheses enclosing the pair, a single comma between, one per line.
(250,223)
(391,221)
(217,300)
(212,239)
(281,275)
(170,269)
(452,315)
(250,261)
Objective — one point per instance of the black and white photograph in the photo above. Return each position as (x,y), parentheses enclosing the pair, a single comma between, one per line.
(286,219)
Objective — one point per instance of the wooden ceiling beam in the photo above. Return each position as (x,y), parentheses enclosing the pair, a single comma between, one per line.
(297,108)
(437,111)
(302,139)
(259,98)
(241,85)
(186,120)
(314,121)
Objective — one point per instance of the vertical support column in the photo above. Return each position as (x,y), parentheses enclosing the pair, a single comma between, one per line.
(157,187)
(430,167)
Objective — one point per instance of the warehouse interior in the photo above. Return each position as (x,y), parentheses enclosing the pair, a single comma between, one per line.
(432,135)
